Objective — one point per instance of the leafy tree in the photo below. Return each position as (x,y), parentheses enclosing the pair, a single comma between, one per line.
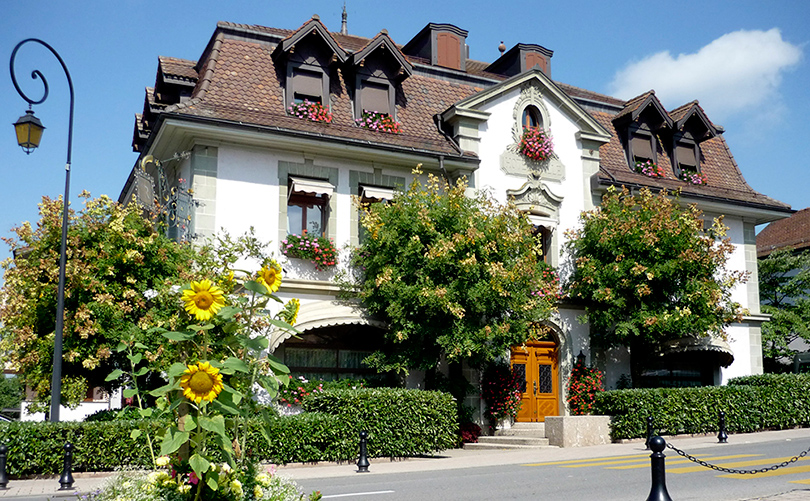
(456,278)
(11,393)
(784,291)
(117,266)
(646,272)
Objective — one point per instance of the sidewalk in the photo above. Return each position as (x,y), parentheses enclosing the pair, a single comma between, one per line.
(48,488)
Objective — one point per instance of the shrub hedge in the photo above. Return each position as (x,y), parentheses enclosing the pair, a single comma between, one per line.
(751,403)
(400,423)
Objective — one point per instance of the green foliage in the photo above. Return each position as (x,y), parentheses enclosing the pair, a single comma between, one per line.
(116,265)
(298,389)
(583,385)
(455,277)
(647,272)
(400,422)
(751,404)
(784,291)
(11,393)
(501,389)
(126,414)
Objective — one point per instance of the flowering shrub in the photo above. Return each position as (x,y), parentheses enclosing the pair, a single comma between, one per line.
(549,286)
(469,433)
(649,168)
(501,390)
(535,144)
(583,385)
(311,111)
(382,122)
(227,484)
(296,391)
(320,250)
(692,177)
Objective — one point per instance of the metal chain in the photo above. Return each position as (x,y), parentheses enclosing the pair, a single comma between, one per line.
(741,472)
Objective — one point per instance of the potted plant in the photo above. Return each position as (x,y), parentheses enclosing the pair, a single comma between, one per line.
(319,250)
(649,168)
(382,122)
(536,144)
(309,110)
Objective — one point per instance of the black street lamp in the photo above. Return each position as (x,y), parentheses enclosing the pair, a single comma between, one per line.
(29,132)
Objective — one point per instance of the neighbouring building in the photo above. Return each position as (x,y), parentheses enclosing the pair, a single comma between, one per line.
(231,126)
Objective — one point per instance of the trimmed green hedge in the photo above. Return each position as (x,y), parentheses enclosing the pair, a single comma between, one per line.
(400,423)
(752,403)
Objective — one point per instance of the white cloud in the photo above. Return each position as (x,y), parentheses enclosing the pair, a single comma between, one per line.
(732,74)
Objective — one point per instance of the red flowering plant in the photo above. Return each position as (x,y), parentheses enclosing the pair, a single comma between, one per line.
(382,122)
(693,177)
(549,286)
(583,385)
(311,111)
(320,250)
(649,169)
(536,144)
(501,388)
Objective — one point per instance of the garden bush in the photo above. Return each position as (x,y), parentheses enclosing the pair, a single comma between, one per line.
(400,423)
(752,403)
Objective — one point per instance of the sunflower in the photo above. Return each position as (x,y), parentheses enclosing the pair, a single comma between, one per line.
(270,276)
(203,299)
(201,382)
(290,311)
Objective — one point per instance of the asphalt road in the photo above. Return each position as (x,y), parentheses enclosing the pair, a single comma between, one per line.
(609,478)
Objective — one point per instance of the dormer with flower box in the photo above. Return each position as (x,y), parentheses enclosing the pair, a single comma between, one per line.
(309,58)
(378,70)
(641,125)
(691,128)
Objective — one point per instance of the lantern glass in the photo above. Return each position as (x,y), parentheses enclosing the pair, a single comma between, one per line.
(29,131)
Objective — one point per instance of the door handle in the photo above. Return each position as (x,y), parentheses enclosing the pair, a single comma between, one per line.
(534,383)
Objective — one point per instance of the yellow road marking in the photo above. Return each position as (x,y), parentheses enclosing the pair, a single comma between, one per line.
(788,470)
(805,481)
(736,464)
(574,461)
(681,461)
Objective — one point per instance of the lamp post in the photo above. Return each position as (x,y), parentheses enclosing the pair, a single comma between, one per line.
(29,132)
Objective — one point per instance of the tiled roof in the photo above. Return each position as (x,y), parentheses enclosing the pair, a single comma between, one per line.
(240,83)
(791,232)
(245,87)
(724,179)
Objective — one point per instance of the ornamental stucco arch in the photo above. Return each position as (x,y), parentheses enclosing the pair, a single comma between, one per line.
(319,314)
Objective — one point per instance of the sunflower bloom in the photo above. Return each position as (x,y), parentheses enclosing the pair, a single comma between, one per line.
(290,311)
(270,276)
(203,300)
(201,382)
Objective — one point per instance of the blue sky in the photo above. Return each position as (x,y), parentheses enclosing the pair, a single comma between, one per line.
(746,61)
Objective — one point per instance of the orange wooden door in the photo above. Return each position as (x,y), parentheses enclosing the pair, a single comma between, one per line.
(538,363)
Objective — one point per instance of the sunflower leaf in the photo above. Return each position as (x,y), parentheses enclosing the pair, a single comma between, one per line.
(256,287)
(114,375)
(121,347)
(283,325)
(200,465)
(135,359)
(135,434)
(234,364)
(178,336)
(277,366)
(230,396)
(257,344)
(141,371)
(140,346)
(227,312)
(176,369)
(172,441)
(215,424)
(130,392)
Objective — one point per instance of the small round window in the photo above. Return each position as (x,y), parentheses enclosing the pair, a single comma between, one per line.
(532,118)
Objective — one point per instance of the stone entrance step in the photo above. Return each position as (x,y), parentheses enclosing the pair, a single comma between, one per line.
(518,436)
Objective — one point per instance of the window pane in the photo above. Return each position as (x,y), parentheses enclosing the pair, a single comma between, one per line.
(642,148)
(314,216)
(310,357)
(544,384)
(686,156)
(307,83)
(520,371)
(294,219)
(348,359)
(374,97)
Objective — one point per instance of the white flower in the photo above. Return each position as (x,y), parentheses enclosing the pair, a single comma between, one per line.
(162,461)
(150,294)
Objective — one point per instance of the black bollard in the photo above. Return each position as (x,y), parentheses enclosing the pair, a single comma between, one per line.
(649,432)
(722,437)
(658,491)
(66,480)
(3,476)
(362,463)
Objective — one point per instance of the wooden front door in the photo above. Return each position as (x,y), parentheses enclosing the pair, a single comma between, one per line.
(538,362)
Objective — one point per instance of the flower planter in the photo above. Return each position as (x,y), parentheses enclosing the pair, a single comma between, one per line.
(577,431)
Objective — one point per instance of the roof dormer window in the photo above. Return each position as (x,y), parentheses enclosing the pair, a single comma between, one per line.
(376,96)
(307,85)
(642,146)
